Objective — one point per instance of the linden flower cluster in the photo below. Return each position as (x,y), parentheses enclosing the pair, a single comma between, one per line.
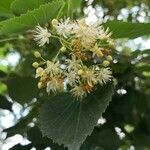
(86,47)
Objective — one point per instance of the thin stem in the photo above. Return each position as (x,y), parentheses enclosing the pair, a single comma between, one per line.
(54,36)
(61,41)
(64,44)
(9,39)
(56,56)
(43,59)
(42,63)
(65,41)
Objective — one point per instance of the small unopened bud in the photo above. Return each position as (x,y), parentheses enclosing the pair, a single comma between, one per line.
(37,54)
(39,72)
(115,81)
(126,52)
(63,49)
(54,22)
(80,72)
(35,64)
(111,44)
(40,85)
(106,63)
(109,58)
(99,53)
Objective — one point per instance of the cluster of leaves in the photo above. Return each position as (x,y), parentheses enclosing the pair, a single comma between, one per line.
(60,121)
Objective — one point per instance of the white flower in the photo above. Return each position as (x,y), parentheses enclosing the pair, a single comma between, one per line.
(78,92)
(54,85)
(90,76)
(39,72)
(41,35)
(96,51)
(65,28)
(100,32)
(84,43)
(72,78)
(103,34)
(89,33)
(86,33)
(73,64)
(53,68)
(104,75)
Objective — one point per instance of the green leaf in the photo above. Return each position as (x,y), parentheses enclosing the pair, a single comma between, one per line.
(4,103)
(21,147)
(141,140)
(123,107)
(22,6)
(35,135)
(127,29)
(146,59)
(39,142)
(74,4)
(29,20)
(137,53)
(146,121)
(2,74)
(146,51)
(22,89)
(68,121)
(24,67)
(142,68)
(5,8)
(106,139)
(77,3)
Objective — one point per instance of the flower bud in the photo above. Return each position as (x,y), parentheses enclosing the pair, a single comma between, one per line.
(126,52)
(115,81)
(39,72)
(35,64)
(40,85)
(109,58)
(106,63)
(111,44)
(99,53)
(54,22)
(63,49)
(37,54)
(80,72)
